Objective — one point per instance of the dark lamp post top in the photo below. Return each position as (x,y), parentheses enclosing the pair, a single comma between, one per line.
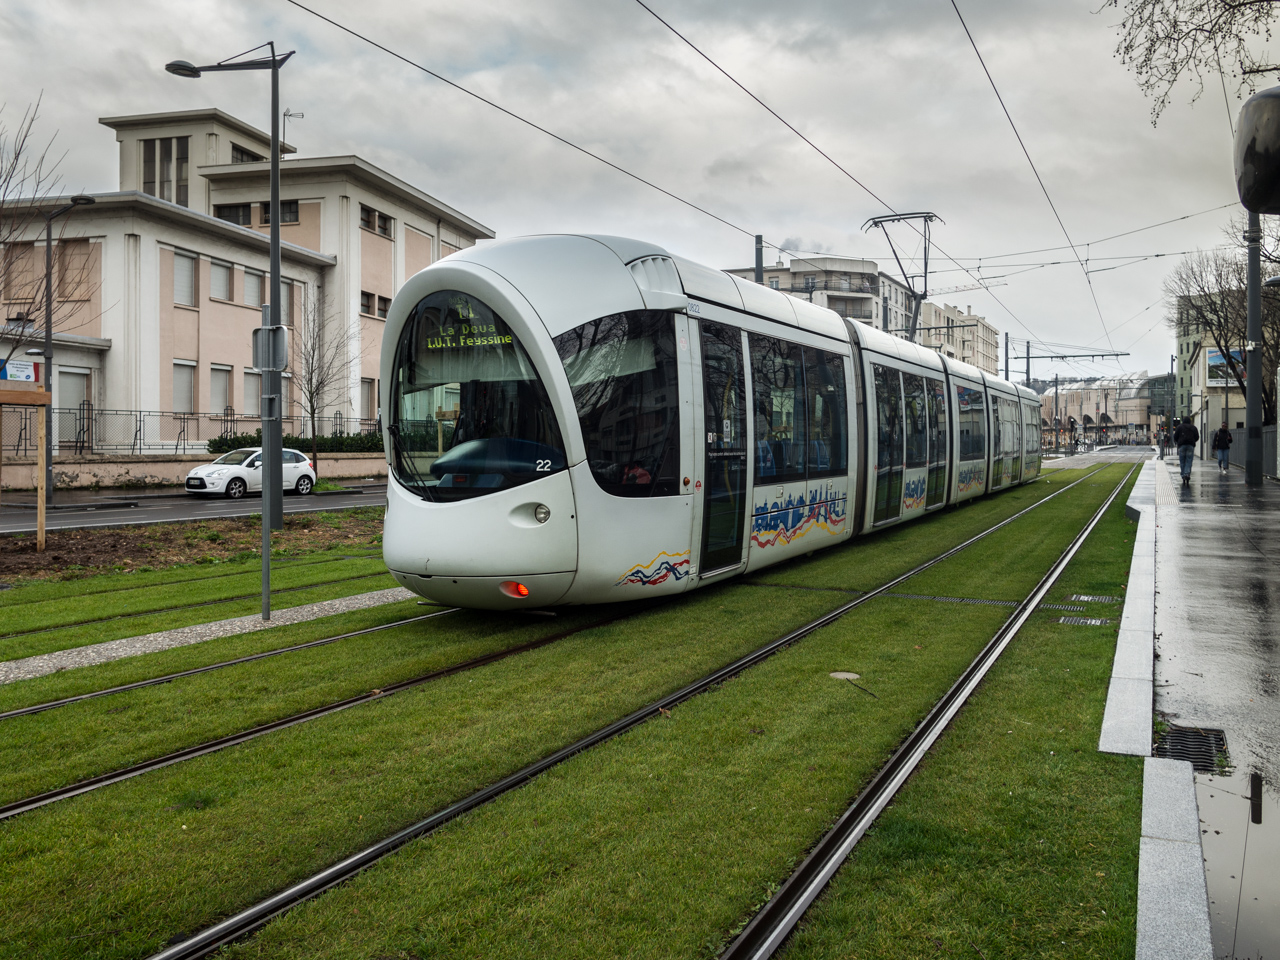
(82,200)
(182,68)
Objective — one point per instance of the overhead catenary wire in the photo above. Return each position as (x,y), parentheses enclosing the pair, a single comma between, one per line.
(1026,153)
(884,203)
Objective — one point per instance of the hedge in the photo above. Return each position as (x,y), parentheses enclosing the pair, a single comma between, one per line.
(346,443)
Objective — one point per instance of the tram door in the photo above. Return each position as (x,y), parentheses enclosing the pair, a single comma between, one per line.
(724,493)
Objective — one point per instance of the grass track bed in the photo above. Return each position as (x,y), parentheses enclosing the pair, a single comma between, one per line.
(1016,836)
(100,736)
(144,611)
(658,843)
(257,822)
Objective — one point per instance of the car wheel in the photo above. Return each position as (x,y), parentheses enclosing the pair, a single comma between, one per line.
(236,488)
(304,485)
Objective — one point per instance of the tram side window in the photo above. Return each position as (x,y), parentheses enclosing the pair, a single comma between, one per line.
(622,370)
(888,417)
(1031,438)
(1010,427)
(828,413)
(777,382)
(916,421)
(936,394)
(971,411)
(469,413)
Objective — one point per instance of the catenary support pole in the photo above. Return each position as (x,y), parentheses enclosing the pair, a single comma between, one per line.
(759,258)
(1006,354)
(1253,358)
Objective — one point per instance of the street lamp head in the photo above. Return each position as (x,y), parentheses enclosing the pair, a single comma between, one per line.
(35,352)
(82,200)
(1271,282)
(183,68)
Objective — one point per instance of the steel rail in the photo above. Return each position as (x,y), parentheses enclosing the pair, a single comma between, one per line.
(765,933)
(249,658)
(184,606)
(207,941)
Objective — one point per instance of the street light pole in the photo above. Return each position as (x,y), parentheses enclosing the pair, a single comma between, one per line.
(270,399)
(76,201)
(1253,357)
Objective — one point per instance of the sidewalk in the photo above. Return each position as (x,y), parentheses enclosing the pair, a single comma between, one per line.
(1217,628)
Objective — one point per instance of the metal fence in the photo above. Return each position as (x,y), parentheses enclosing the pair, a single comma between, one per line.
(82,430)
(1269,466)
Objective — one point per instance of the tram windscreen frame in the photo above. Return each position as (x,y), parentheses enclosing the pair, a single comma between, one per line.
(470,414)
(624,376)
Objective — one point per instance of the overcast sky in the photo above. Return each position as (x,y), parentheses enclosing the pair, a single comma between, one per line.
(891,90)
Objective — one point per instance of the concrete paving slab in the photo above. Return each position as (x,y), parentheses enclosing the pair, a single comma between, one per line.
(1171,875)
(1133,655)
(1169,808)
(1126,722)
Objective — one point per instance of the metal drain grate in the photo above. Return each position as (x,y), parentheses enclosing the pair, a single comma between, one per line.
(921,596)
(1086,598)
(1202,746)
(1062,606)
(1084,621)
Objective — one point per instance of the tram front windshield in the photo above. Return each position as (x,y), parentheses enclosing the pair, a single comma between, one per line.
(469,413)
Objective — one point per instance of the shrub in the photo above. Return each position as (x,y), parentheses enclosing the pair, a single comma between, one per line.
(347,443)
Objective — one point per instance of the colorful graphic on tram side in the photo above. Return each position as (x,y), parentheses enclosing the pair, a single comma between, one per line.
(970,477)
(788,522)
(665,566)
(913,493)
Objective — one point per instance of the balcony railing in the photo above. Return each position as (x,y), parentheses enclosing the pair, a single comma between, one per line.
(835,286)
(83,430)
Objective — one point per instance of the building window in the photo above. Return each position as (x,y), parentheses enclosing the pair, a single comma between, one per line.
(367,405)
(286,302)
(366,303)
(371,219)
(220,389)
(773,283)
(220,281)
(288,212)
(252,393)
(237,213)
(252,288)
(166,168)
(240,155)
(184,386)
(447,248)
(184,280)
(384,304)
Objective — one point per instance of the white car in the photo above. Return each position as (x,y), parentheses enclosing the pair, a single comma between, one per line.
(236,473)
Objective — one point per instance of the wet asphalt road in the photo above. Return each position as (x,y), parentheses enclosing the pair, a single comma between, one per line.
(1218,647)
(88,513)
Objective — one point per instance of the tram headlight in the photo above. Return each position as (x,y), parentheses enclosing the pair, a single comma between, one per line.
(542,513)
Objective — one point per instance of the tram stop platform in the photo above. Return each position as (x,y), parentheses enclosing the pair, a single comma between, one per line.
(1199,653)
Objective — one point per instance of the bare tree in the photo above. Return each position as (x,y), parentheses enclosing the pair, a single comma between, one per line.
(28,184)
(1207,294)
(1164,41)
(320,361)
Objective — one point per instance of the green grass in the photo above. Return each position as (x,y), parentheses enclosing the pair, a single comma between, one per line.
(117,870)
(661,842)
(323,582)
(1016,838)
(43,752)
(95,583)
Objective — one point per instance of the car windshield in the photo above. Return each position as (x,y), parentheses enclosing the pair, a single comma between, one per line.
(236,457)
(470,414)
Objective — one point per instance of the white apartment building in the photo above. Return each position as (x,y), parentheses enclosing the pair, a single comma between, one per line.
(158,286)
(961,335)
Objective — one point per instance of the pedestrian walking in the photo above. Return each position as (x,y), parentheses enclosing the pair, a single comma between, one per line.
(1185,439)
(1164,442)
(1222,448)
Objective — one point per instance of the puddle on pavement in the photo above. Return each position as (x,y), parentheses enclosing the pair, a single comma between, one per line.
(1240,834)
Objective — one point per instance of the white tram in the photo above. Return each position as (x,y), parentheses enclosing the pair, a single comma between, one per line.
(578,419)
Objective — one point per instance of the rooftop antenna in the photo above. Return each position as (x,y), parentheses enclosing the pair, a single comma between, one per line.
(916,298)
(289,115)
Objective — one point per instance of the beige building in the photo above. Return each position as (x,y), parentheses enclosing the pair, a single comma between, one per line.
(960,335)
(159,285)
(859,290)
